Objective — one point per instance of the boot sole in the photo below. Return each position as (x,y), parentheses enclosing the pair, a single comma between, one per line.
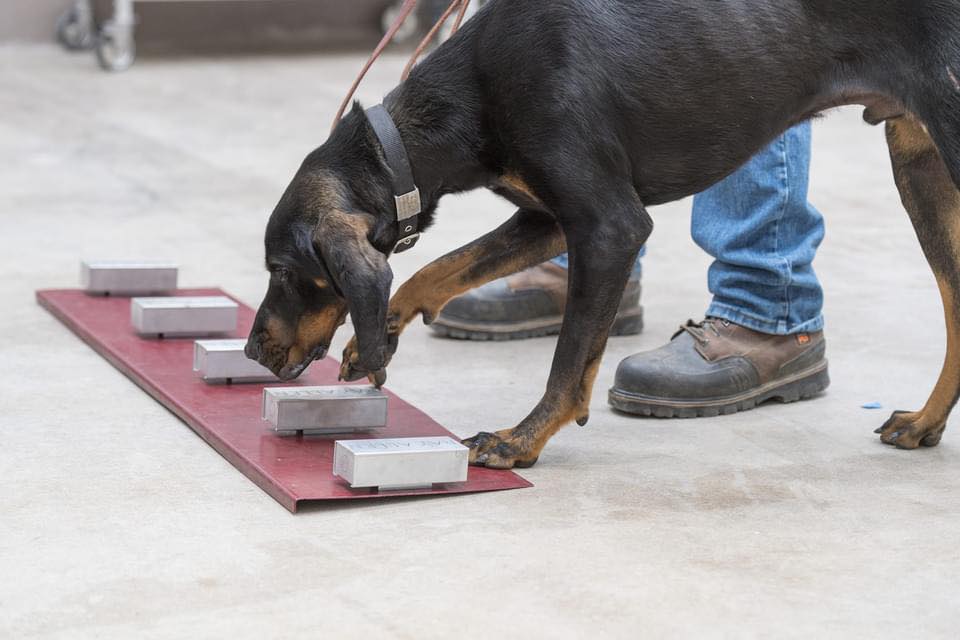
(627,324)
(800,386)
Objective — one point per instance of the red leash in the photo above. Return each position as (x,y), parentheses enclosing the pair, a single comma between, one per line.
(433,33)
(405,11)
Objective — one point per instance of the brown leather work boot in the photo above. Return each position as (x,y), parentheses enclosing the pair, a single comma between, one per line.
(526,305)
(719,367)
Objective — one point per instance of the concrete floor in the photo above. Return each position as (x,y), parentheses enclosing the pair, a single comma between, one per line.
(116,521)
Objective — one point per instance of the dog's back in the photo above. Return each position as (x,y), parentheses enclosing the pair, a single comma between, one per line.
(719,79)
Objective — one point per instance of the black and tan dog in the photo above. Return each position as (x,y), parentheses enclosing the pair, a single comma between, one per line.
(583,113)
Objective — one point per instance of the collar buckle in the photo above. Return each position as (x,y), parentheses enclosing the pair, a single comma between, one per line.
(406,243)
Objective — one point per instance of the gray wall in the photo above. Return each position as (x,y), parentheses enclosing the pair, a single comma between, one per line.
(29,20)
(218,25)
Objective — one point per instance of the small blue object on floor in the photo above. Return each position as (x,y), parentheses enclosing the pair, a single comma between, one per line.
(872,405)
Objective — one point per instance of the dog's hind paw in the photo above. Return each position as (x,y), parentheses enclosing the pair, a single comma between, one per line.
(499,451)
(909,430)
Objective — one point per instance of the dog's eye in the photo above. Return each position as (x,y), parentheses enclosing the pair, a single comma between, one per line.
(282,274)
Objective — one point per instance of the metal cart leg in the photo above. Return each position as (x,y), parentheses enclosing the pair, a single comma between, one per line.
(116,49)
(75,29)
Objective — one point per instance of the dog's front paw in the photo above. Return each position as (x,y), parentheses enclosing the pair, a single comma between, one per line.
(909,430)
(352,366)
(500,450)
(351,369)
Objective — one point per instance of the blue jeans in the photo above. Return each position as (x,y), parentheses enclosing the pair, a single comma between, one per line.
(763,234)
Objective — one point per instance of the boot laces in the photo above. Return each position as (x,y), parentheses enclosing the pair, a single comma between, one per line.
(700,331)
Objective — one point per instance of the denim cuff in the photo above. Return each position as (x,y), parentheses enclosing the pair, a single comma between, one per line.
(763,325)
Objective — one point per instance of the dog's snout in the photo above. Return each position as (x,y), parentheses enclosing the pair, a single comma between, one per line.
(252,350)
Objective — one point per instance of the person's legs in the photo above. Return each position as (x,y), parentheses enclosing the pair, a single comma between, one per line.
(764,235)
(763,336)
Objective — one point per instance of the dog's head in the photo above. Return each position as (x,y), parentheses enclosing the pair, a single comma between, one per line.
(323,263)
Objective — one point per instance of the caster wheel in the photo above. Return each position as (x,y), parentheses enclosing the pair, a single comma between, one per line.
(75,31)
(408,29)
(115,48)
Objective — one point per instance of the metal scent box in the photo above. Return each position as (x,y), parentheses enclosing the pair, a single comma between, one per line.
(179,317)
(115,277)
(400,463)
(324,410)
(223,361)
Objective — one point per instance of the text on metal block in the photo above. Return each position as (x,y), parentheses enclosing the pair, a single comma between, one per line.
(400,463)
(330,409)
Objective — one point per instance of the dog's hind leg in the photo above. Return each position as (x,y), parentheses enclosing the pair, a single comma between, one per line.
(526,239)
(602,250)
(928,177)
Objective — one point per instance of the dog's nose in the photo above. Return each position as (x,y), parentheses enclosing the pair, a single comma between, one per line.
(252,350)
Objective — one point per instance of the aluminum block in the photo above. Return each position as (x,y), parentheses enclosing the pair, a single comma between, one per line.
(180,317)
(400,463)
(324,410)
(223,361)
(116,277)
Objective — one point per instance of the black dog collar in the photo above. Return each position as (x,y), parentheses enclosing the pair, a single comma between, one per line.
(406,195)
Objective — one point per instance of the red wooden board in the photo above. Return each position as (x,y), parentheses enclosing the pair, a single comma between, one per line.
(291,469)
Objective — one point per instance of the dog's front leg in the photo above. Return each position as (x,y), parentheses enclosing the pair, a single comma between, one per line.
(602,254)
(526,239)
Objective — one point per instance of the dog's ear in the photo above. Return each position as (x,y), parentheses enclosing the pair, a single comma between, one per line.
(362,276)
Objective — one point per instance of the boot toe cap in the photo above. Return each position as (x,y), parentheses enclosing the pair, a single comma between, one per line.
(678,372)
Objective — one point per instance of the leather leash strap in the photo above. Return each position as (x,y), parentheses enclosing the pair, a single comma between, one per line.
(405,10)
(463,4)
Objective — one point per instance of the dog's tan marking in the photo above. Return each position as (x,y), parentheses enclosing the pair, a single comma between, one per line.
(586,385)
(315,329)
(513,182)
(945,392)
(909,142)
